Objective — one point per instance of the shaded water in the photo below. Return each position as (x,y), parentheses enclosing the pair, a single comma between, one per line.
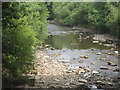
(71,44)
(67,38)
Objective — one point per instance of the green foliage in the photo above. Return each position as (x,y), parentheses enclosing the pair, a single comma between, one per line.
(102,16)
(50,9)
(24,26)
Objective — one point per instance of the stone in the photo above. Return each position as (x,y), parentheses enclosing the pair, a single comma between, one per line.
(69,71)
(65,61)
(86,57)
(95,72)
(93,63)
(109,53)
(55,54)
(116,52)
(38,73)
(94,86)
(82,80)
(47,45)
(87,69)
(103,59)
(109,45)
(46,56)
(104,68)
(99,53)
(52,48)
(81,70)
(95,42)
(40,82)
(111,63)
(109,83)
(98,82)
(92,49)
(104,83)
(57,80)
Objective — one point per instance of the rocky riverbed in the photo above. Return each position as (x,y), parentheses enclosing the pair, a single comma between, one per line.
(51,73)
(76,58)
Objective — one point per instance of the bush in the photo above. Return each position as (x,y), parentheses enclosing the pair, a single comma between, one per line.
(24,26)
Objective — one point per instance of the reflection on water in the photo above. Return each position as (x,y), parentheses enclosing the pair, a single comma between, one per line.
(66,38)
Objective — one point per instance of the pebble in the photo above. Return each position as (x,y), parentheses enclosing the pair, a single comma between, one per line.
(81,71)
(65,61)
(116,52)
(47,45)
(99,53)
(84,57)
(95,42)
(82,80)
(109,45)
(104,67)
(38,73)
(69,71)
(111,63)
(57,80)
(103,59)
(94,86)
(87,69)
(95,72)
(109,53)
(93,63)
(46,56)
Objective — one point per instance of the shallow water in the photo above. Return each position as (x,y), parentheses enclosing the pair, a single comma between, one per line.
(71,44)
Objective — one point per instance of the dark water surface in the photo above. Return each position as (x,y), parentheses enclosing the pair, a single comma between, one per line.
(71,44)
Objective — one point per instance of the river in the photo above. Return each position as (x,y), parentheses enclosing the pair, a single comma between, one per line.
(69,44)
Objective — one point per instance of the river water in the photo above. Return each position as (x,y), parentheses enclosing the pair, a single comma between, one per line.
(69,44)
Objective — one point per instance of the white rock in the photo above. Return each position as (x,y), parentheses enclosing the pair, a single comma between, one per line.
(95,72)
(104,67)
(116,52)
(99,53)
(95,42)
(93,86)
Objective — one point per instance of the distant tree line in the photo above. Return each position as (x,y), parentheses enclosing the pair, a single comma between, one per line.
(102,16)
